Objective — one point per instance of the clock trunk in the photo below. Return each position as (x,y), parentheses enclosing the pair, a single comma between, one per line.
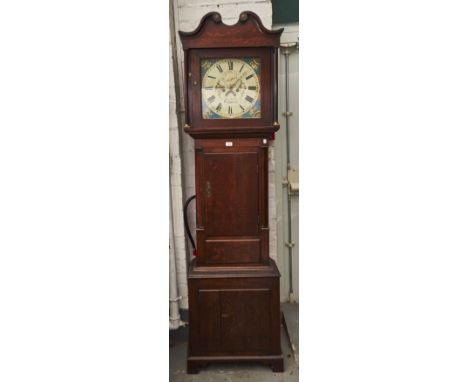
(232,210)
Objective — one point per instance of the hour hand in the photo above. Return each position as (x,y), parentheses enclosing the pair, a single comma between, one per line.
(240,85)
(235,83)
(220,86)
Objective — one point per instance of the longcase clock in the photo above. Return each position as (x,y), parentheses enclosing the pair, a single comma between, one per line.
(231,112)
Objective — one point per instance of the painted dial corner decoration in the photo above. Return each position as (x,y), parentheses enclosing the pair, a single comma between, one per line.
(231,88)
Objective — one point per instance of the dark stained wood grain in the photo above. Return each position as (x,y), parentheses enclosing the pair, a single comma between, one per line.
(236,316)
(213,33)
(225,250)
(197,270)
(232,132)
(231,176)
(247,38)
(232,200)
(240,310)
(209,330)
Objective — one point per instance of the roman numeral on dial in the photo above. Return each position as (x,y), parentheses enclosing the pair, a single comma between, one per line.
(218,108)
(249,77)
(219,68)
(230,65)
(230,110)
(252,88)
(249,99)
(211,99)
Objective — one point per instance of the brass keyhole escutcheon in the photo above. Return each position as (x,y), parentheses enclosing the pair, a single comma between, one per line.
(208,189)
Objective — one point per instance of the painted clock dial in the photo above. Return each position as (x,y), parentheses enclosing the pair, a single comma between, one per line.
(231,88)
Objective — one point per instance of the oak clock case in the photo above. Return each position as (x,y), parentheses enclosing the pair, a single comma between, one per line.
(231,112)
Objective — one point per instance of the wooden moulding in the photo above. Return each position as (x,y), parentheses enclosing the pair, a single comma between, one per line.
(234,132)
(213,33)
(228,271)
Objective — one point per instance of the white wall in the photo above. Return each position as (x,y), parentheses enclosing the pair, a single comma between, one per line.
(176,192)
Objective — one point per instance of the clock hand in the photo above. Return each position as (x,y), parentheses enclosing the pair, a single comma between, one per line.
(231,88)
(220,86)
(240,85)
(235,83)
(228,89)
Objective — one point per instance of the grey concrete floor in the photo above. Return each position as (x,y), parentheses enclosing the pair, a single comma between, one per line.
(239,372)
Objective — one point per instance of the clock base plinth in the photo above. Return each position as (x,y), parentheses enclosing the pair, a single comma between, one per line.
(234,316)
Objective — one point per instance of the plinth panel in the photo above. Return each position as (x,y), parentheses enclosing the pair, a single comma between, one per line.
(234,317)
